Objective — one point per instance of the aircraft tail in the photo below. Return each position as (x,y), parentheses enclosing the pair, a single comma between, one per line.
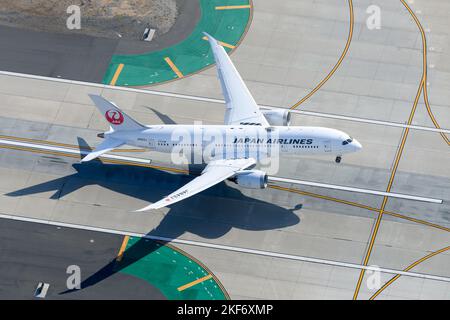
(117,119)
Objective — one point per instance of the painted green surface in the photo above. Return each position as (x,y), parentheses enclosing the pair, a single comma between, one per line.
(167,270)
(190,55)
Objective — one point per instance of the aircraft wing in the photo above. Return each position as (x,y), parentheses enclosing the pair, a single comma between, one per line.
(241,107)
(215,172)
(107,145)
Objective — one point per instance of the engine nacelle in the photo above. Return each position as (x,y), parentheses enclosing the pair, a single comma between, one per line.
(251,179)
(277,117)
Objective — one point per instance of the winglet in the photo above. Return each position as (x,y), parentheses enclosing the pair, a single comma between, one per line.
(149,207)
(210,37)
(215,172)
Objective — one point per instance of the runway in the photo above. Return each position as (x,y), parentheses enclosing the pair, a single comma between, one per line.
(288,241)
(234,249)
(85,190)
(31,146)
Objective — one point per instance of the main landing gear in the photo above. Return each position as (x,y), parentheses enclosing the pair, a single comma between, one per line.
(338,159)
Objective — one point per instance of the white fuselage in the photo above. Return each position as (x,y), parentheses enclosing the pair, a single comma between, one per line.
(228,141)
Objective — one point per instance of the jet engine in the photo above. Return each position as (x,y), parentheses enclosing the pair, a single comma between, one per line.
(277,117)
(251,179)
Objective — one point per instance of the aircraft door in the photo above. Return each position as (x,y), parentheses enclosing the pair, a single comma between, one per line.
(151,143)
(327,145)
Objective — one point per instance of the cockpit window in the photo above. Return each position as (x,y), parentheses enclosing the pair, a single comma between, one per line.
(349,140)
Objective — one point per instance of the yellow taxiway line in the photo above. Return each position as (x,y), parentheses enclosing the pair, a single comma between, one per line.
(66,145)
(29,149)
(338,63)
(223,44)
(388,189)
(183,171)
(387,284)
(425,71)
(359,205)
(422,89)
(173,67)
(193,283)
(58,153)
(122,248)
(116,74)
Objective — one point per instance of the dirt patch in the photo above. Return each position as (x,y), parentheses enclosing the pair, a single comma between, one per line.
(105,18)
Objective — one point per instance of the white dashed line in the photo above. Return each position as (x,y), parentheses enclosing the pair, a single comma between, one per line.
(220,101)
(358,190)
(232,248)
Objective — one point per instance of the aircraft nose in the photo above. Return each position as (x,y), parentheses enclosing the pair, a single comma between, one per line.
(356,145)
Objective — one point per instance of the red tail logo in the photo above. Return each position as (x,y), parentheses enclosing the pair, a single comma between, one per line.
(114,117)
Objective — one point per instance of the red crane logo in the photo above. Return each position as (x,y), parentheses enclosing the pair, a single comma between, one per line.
(114,117)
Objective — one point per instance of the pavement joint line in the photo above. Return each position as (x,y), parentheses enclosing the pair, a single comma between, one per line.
(77,147)
(181,171)
(398,157)
(338,63)
(414,264)
(219,101)
(195,282)
(370,121)
(70,151)
(358,205)
(271,178)
(77,155)
(353,189)
(377,224)
(229,248)
(422,90)
(425,69)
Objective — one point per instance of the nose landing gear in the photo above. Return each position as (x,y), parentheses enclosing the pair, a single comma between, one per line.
(338,159)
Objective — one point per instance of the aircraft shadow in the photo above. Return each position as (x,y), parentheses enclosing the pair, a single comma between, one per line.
(209,217)
(163,117)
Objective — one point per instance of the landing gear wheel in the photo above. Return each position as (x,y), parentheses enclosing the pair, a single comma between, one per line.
(338,159)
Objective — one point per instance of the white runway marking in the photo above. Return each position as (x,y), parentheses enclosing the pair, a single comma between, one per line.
(231,248)
(370,121)
(352,189)
(68,150)
(220,101)
(271,178)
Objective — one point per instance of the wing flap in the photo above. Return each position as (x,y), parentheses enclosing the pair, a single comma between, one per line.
(215,172)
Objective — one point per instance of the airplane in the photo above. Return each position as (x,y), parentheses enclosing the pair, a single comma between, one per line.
(247,137)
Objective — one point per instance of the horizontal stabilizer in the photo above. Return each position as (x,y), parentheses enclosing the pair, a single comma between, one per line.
(107,145)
